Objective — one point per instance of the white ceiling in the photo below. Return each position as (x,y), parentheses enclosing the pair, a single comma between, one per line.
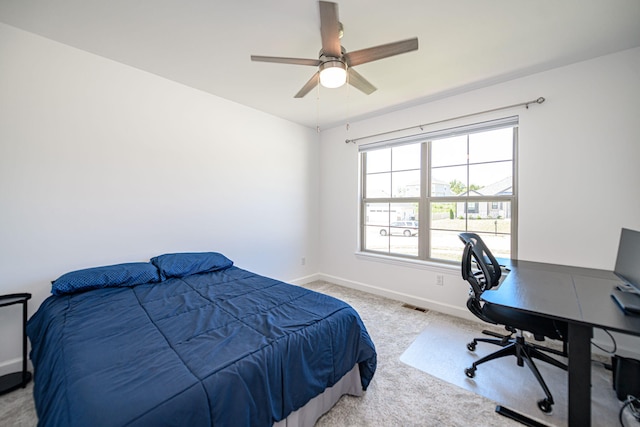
(206,44)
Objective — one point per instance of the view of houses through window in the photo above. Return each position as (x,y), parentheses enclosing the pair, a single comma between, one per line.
(419,193)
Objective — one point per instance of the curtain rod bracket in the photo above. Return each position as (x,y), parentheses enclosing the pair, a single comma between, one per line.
(537,101)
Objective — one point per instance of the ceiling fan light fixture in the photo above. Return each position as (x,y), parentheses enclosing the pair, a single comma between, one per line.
(333,74)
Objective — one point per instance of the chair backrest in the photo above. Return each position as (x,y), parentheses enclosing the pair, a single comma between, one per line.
(483,258)
(477,279)
(485,275)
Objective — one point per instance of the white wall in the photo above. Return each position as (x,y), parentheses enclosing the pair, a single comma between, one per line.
(101,163)
(579,176)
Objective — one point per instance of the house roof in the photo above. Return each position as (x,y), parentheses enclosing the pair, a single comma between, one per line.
(501,187)
(504,186)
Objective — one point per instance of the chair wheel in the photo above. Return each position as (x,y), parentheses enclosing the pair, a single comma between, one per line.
(470,372)
(545,406)
(471,346)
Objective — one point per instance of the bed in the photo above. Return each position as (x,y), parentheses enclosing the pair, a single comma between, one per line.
(190,339)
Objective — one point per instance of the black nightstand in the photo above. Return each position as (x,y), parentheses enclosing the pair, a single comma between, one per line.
(16,380)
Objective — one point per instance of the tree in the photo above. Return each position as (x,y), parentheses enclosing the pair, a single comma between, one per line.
(457,187)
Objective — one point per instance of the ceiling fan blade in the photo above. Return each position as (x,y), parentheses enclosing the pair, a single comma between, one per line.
(356,80)
(313,82)
(330,29)
(281,60)
(378,52)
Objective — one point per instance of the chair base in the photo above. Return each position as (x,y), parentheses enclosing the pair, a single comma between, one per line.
(524,353)
(522,419)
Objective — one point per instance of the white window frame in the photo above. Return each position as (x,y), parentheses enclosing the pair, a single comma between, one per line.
(425,200)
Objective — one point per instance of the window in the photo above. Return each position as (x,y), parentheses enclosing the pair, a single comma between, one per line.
(419,192)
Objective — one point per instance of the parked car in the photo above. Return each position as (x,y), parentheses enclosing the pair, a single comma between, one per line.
(405,228)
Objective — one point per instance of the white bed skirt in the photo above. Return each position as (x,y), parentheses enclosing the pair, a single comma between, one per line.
(321,404)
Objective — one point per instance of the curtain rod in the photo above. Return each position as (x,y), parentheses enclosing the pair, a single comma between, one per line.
(540,100)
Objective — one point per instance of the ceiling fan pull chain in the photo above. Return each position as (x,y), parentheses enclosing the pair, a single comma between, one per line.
(348,102)
(318,109)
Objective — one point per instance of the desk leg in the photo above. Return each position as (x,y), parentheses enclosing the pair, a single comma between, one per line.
(579,375)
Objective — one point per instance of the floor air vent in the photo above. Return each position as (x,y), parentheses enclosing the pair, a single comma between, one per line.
(413,307)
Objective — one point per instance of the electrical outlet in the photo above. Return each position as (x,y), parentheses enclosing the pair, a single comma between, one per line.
(440,280)
(303,261)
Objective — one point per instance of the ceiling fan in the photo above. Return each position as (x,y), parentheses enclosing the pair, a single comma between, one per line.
(334,63)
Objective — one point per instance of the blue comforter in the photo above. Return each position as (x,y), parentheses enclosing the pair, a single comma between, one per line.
(222,348)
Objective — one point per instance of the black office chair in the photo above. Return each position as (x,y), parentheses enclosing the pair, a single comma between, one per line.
(484,276)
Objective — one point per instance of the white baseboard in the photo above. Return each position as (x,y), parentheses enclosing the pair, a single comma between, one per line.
(400,296)
(306,279)
(13,365)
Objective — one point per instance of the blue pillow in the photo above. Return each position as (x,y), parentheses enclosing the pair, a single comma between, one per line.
(129,274)
(186,264)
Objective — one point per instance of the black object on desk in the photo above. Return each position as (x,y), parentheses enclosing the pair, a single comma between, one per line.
(16,380)
(629,302)
(627,295)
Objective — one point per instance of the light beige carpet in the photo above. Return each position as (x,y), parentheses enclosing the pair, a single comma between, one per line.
(440,350)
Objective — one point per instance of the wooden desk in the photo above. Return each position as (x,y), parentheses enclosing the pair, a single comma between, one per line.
(579,296)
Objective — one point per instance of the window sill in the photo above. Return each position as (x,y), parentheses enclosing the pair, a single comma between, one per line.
(411,263)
